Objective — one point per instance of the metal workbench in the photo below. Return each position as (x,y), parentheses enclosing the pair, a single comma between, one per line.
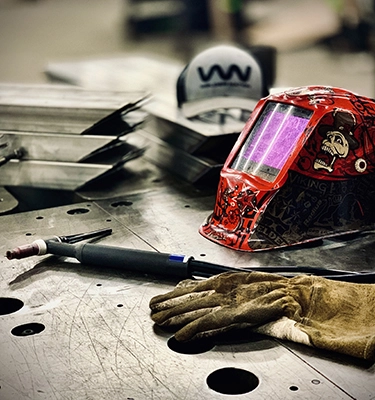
(72,331)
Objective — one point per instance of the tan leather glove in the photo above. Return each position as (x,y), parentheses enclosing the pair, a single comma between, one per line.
(337,316)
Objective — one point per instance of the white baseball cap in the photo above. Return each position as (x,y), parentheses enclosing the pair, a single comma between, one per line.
(221,77)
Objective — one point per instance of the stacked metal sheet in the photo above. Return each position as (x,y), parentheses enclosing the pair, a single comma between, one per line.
(63,137)
(193,150)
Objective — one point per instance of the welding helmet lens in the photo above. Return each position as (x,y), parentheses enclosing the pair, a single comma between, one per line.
(272,140)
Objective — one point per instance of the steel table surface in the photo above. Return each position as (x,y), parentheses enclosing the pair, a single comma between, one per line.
(85,332)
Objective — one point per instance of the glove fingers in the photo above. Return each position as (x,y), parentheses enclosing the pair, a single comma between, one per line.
(164,304)
(208,301)
(208,325)
(181,319)
(189,287)
(184,287)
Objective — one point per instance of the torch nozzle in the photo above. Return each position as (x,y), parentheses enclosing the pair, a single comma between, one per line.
(39,247)
(24,251)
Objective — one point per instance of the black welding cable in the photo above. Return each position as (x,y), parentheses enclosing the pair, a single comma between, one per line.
(204,269)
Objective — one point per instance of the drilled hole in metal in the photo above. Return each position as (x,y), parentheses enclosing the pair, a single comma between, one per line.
(28,329)
(232,381)
(9,305)
(39,217)
(293,388)
(122,203)
(195,347)
(75,211)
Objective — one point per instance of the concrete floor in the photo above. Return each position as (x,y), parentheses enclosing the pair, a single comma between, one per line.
(35,33)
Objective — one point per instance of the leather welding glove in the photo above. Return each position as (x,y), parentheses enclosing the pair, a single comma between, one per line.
(332,315)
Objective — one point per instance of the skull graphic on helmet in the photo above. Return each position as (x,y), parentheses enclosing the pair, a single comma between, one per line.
(338,140)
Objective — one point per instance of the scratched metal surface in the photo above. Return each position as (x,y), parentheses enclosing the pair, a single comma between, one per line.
(98,339)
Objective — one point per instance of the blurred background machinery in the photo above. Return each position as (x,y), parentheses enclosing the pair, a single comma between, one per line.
(317,41)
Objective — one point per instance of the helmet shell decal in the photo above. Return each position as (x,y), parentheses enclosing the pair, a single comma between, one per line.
(237,209)
(342,146)
(324,186)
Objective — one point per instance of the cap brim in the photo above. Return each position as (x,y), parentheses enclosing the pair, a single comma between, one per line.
(194,108)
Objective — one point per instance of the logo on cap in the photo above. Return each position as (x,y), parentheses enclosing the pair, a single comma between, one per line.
(225,75)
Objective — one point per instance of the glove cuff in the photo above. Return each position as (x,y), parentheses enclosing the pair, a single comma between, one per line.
(286,329)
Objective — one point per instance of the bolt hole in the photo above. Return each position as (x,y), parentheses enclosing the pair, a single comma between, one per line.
(40,217)
(120,305)
(294,388)
(232,381)
(28,329)
(28,234)
(187,206)
(195,347)
(108,220)
(98,284)
(9,305)
(123,203)
(315,382)
(77,211)
(202,255)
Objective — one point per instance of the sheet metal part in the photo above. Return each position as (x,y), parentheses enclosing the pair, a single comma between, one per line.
(178,162)
(193,150)
(70,148)
(52,146)
(169,124)
(63,108)
(96,338)
(59,130)
(52,174)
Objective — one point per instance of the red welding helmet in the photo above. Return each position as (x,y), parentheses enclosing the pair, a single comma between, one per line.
(301,170)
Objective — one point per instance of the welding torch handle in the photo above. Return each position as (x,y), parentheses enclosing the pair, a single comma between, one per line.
(142,261)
